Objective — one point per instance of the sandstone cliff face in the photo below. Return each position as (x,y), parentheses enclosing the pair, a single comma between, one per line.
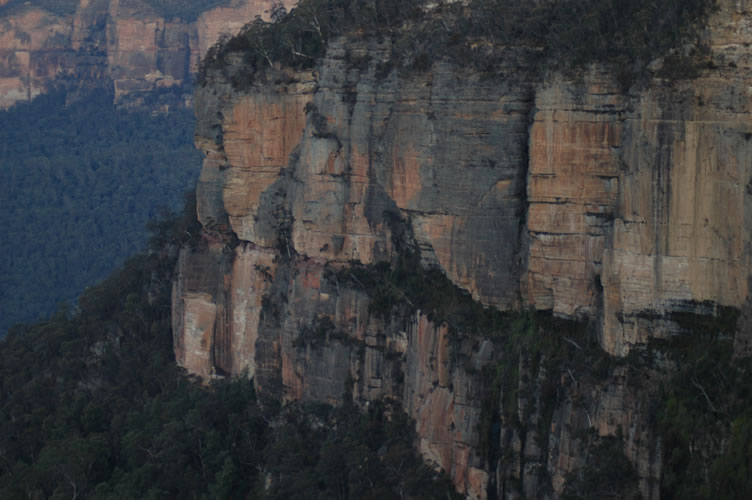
(376,147)
(33,50)
(125,41)
(638,203)
(627,211)
(145,51)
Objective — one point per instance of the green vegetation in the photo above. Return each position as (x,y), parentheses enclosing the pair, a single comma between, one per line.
(79,181)
(607,474)
(93,406)
(326,453)
(324,330)
(700,404)
(718,321)
(536,338)
(626,35)
(299,39)
(401,288)
(704,415)
(406,286)
(702,410)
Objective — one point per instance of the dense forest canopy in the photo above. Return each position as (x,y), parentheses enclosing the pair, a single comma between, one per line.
(92,405)
(625,35)
(78,182)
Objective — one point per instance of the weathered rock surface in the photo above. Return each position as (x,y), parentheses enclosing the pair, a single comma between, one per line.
(628,211)
(125,41)
(34,49)
(247,151)
(221,296)
(374,148)
(638,203)
(573,185)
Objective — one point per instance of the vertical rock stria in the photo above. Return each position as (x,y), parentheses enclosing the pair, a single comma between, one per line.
(573,187)
(125,41)
(625,211)
(638,202)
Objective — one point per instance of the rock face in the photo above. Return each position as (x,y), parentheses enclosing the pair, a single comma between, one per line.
(125,41)
(638,203)
(625,211)
(369,148)
(574,179)
(34,48)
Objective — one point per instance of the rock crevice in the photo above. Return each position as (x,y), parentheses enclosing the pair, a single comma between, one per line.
(627,212)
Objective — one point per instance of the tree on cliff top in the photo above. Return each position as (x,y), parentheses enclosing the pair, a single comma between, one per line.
(625,35)
(92,405)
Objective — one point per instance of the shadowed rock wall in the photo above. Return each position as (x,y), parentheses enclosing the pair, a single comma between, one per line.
(626,211)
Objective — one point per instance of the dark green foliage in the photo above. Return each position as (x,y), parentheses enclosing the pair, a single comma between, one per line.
(565,34)
(93,406)
(325,453)
(627,34)
(731,473)
(534,338)
(700,404)
(316,334)
(607,474)
(407,286)
(176,230)
(299,38)
(719,321)
(78,184)
(704,418)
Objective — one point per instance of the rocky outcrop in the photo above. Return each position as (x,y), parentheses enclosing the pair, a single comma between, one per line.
(145,51)
(638,202)
(228,19)
(123,41)
(222,296)
(573,185)
(34,50)
(375,147)
(624,211)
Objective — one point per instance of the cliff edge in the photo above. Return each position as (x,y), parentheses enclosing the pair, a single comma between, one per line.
(352,209)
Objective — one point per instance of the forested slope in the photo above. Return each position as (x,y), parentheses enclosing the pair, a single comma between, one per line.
(93,406)
(77,184)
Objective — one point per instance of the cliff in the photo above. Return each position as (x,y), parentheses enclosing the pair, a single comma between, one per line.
(584,212)
(128,42)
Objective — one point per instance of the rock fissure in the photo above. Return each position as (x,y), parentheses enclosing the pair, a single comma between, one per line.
(453,222)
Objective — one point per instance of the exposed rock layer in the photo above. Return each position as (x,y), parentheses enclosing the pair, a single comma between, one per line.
(626,210)
(122,40)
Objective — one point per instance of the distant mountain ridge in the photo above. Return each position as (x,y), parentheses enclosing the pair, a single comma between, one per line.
(140,45)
